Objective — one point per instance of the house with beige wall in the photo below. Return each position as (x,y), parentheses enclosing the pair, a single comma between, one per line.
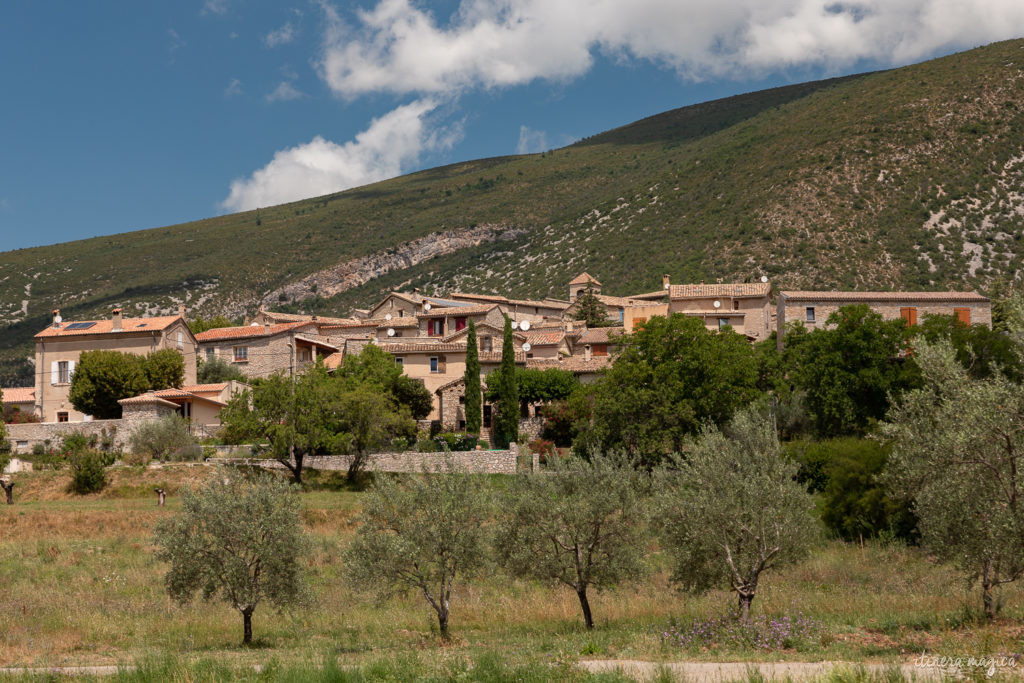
(22,399)
(813,309)
(745,306)
(60,345)
(262,350)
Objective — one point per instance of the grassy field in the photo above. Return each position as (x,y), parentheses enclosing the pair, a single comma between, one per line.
(79,586)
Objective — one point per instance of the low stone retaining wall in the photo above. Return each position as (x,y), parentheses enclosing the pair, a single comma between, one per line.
(473,462)
(24,437)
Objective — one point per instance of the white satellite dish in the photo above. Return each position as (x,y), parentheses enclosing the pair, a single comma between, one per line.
(426,306)
(57,319)
(254,324)
(391,332)
(667,285)
(387,317)
(718,304)
(764,278)
(526,346)
(525,325)
(515,325)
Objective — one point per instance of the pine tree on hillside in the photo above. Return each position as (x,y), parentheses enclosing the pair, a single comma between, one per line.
(472,382)
(506,423)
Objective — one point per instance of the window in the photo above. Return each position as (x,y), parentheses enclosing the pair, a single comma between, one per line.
(241,354)
(401,312)
(435,328)
(62,417)
(434,364)
(810,314)
(400,362)
(487,415)
(460,323)
(181,339)
(723,322)
(529,355)
(909,314)
(600,349)
(735,304)
(963,315)
(210,353)
(63,373)
(485,343)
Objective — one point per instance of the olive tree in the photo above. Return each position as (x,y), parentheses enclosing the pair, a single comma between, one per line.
(730,509)
(236,539)
(422,534)
(959,453)
(582,526)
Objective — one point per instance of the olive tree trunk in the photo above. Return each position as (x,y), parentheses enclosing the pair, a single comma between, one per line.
(247,626)
(8,487)
(588,618)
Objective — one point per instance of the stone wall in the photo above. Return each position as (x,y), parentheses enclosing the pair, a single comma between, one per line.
(24,437)
(531,426)
(474,462)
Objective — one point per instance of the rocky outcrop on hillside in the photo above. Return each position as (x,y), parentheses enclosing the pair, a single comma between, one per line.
(354,272)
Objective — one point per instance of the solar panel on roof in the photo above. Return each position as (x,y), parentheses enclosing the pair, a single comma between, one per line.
(79,326)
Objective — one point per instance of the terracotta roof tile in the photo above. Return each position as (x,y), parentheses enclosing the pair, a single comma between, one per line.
(128,326)
(973,297)
(737,289)
(19,395)
(577,364)
(169,394)
(200,388)
(249,331)
(584,278)
(147,398)
(600,335)
(544,338)
(333,361)
(457,310)
(298,317)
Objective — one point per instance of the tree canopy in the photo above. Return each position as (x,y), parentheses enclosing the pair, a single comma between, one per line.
(959,453)
(238,540)
(671,376)
(102,378)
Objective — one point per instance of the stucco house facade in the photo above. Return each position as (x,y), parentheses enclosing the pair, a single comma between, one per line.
(59,347)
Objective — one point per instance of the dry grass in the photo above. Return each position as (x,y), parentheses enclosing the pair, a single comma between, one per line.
(78,585)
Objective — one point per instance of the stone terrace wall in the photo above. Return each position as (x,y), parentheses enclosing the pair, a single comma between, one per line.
(24,436)
(475,462)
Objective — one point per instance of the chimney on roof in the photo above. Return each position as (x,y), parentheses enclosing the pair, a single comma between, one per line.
(181,311)
(665,281)
(56,317)
(116,317)
(315,318)
(586,352)
(569,326)
(266,327)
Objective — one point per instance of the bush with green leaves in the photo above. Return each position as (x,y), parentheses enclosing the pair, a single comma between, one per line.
(88,471)
(214,370)
(455,441)
(424,534)
(168,438)
(238,539)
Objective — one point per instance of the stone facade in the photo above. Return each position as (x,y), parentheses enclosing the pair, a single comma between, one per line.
(58,350)
(745,307)
(261,351)
(24,437)
(814,308)
(471,462)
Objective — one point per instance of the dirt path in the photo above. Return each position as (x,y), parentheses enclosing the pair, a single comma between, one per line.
(721,672)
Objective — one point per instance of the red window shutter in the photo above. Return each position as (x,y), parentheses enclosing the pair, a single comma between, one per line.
(963,315)
(909,314)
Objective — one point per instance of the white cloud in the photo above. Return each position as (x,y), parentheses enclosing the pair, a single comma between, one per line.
(399,47)
(531,141)
(281,36)
(387,148)
(234,88)
(284,92)
(215,7)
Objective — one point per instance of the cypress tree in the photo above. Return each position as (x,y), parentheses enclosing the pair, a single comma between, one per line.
(472,381)
(507,422)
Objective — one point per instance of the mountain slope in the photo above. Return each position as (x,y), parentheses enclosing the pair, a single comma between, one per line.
(905,178)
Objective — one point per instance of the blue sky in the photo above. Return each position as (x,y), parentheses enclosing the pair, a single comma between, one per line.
(124,115)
